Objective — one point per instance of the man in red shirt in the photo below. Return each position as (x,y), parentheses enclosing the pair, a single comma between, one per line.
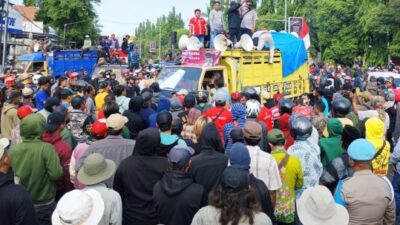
(198,26)
(219,114)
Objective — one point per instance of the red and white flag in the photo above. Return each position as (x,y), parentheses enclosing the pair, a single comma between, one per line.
(305,34)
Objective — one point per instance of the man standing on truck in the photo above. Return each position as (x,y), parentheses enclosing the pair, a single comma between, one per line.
(249,18)
(216,21)
(234,22)
(198,26)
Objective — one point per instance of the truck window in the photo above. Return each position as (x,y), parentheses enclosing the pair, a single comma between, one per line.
(36,66)
(209,76)
(176,78)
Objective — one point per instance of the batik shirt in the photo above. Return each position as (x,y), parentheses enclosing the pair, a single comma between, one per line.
(309,156)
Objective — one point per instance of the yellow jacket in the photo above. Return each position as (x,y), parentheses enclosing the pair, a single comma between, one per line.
(374,132)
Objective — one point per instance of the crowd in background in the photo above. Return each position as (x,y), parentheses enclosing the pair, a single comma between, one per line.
(118,150)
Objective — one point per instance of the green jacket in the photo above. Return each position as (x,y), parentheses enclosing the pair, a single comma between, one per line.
(35,162)
(67,136)
(331,147)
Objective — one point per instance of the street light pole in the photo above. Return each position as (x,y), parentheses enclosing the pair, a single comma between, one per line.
(159,48)
(5,28)
(67,24)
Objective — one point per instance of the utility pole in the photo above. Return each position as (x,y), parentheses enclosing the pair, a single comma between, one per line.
(5,28)
(286,22)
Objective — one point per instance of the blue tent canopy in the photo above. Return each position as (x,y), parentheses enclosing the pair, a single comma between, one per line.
(32,57)
(293,51)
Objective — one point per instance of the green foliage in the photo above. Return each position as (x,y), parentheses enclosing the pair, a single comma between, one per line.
(342,30)
(147,32)
(57,13)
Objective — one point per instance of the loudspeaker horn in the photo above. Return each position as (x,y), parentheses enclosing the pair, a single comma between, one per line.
(266,37)
(183,41)
(221,42)
(194,44)
(246,42)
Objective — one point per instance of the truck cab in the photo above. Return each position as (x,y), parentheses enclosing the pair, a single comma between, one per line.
(31,63)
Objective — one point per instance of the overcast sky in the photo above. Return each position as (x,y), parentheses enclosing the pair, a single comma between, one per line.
(122,16)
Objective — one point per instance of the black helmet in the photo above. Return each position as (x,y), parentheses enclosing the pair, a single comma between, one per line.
(380,80)
(285,106)
(341,107)
(300,128)
(202,97)
(251,92)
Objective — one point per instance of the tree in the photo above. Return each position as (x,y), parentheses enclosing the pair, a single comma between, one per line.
(148,32)
(58,13)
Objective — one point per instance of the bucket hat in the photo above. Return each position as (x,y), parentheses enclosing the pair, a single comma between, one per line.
(79,208)
(316,206)
(96,169)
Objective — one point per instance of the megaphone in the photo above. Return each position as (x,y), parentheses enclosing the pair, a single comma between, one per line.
(246,42)
(194,44)
(266,37)
(221,43)
(183,41)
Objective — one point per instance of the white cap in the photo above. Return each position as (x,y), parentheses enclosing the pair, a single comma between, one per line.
(27,91)
(79,207)
(182,92)
(86,36)
(4,142)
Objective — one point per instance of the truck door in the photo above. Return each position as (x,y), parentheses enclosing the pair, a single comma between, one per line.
(210,76)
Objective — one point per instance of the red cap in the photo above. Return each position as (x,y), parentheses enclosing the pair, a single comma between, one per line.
(235,96)
(24,111)
(10,81)
(99,128)
(278,97)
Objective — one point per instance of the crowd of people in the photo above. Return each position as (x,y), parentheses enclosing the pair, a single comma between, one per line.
(94,151)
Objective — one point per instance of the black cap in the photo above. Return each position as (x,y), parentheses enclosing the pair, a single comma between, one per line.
(43,81)
(164,120)
(234,180)
(147,94)
(54,120)
(103,85)
(50,102)
(13,95)
(77,102)
(189,101)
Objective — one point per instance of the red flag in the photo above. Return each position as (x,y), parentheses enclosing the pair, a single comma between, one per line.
(305,34)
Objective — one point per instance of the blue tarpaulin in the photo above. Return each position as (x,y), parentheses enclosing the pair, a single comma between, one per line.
(293,51)
(34,57)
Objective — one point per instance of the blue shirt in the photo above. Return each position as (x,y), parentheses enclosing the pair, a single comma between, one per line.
(40,99)
(326,111)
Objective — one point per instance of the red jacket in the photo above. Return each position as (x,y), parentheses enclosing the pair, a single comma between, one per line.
(265,115)
(284,126)
(197,26)
(64,153)
(220,116)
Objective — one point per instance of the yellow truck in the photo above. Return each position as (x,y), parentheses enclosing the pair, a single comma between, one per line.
(240,69)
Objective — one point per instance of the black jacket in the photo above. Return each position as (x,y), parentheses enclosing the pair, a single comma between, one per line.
(16,207)
(135,179)
(209,164)
(234,20)
(135,122)
(263,196)
(177,198)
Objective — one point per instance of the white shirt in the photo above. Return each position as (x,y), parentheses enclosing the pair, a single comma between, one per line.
(264,167)
(112,204)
